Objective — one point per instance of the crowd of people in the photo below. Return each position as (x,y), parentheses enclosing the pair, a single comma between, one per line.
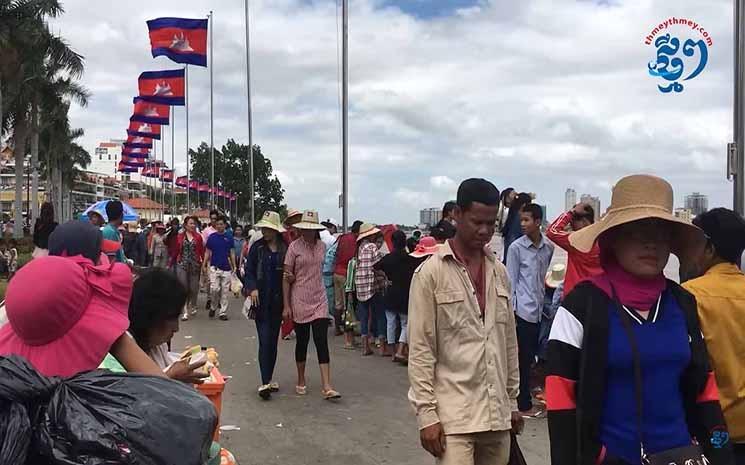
(628,366)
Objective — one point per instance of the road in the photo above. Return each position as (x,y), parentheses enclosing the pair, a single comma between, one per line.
(372,424)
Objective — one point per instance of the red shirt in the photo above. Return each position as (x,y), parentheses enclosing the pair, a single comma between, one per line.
(580,265)
(346,249)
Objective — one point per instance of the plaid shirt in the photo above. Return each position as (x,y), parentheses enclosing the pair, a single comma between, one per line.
(365,281)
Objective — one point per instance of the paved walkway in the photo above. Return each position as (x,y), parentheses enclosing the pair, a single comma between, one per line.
(372,424)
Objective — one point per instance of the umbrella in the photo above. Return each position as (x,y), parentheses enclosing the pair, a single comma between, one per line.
(100,207)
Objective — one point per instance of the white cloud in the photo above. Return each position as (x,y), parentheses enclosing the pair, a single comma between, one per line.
(442,183)
(535,94)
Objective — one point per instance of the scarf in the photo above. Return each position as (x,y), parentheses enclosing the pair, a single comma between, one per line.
(632,291)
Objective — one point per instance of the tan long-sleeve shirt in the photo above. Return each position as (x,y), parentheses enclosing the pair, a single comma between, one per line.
(463,370)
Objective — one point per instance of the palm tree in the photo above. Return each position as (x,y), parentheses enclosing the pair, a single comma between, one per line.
(40,69)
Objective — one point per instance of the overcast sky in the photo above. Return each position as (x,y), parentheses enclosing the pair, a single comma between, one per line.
(539,95)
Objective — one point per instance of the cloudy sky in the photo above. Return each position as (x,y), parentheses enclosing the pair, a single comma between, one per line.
(539,95)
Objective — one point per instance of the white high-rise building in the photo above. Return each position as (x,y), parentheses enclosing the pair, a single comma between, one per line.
(697,203)
(106,157)
(430,216)
(570,199)
(594,202)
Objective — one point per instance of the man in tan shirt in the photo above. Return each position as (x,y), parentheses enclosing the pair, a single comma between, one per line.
(463,365)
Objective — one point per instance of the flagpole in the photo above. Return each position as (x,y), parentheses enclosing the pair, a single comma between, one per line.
(212,134)
(186,107)
(345,116)
(173,161)
(250,121)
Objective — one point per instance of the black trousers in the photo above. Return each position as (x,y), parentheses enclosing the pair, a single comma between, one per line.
(527,346)
(320,329)
(739,453)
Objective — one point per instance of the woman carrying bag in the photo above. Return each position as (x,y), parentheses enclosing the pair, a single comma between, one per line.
(262,279)
(629,380)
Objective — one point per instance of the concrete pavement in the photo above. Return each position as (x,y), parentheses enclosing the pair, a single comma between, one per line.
(372,424)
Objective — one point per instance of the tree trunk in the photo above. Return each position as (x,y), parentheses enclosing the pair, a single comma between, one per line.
(20,133)
(34,209)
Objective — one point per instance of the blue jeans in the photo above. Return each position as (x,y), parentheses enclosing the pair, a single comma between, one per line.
(373,307)
(268,332)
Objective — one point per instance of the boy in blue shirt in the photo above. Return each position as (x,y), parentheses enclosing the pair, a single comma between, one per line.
(220,263)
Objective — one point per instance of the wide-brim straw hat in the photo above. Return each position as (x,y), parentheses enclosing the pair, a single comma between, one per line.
(310,221)
(634,198)
(556,275)
(367,230)
(271,220)
(427,246)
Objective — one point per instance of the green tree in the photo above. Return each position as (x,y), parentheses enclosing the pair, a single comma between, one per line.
(38,73)
(232,168)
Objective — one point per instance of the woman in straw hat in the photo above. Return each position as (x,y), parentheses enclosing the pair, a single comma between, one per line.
(262,282)
(628,372)
(368,287)
(305,301)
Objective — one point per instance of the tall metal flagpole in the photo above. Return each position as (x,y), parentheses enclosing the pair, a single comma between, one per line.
(250,121)
(186,108)
(345,116)
(212,125)
(173,162)
(737,165)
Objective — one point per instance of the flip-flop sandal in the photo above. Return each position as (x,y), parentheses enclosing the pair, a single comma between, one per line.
(301,390)
(350,348)
(330,395)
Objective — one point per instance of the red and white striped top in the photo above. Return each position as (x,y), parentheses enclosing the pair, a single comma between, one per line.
(308,294)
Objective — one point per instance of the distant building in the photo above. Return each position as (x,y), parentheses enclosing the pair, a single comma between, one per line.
(106,157)
(544,210)
(594,202)
(684,214)
(570,199)
(697,203)
(430,216)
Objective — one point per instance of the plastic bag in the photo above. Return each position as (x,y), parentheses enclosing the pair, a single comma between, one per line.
(100,417)
(236,286)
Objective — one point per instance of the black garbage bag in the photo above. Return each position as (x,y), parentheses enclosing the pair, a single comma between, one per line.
(100,417)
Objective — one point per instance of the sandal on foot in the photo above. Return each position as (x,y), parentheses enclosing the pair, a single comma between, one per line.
(330,395)
(301,390)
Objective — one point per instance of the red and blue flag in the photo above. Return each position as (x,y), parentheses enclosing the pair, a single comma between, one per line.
(123,168)
(136,145)
(165,87)
(150,112)
(194,185)
(133,162)
(166,175)
(180,39)
(181,181)
(148,142)
(204,188)
(151,131)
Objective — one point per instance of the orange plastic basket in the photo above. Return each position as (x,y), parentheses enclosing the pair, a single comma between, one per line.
(213,389)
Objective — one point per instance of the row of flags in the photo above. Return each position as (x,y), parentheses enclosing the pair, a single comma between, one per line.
(182,41)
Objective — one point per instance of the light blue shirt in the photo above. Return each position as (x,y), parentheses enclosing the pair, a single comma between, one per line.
(527,266)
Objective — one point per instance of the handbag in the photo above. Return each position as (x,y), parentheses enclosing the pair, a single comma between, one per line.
(686,455)
(516,455)
(249,309)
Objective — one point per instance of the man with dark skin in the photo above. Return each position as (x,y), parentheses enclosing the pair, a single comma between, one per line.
(462,291)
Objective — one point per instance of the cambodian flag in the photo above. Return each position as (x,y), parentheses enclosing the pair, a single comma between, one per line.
(136,145)
(165,87)
(142,155)
(133,162)
(181,181)
(194,185)
(181,40)
(166,175)
(151,172)
(122,168)
(204,188)
(151,131)
(146,142)
(150,112)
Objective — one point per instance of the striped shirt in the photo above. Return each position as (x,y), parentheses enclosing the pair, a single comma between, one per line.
(308,294)
(365,281)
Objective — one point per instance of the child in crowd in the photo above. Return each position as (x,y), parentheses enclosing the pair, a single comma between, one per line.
(11,257)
